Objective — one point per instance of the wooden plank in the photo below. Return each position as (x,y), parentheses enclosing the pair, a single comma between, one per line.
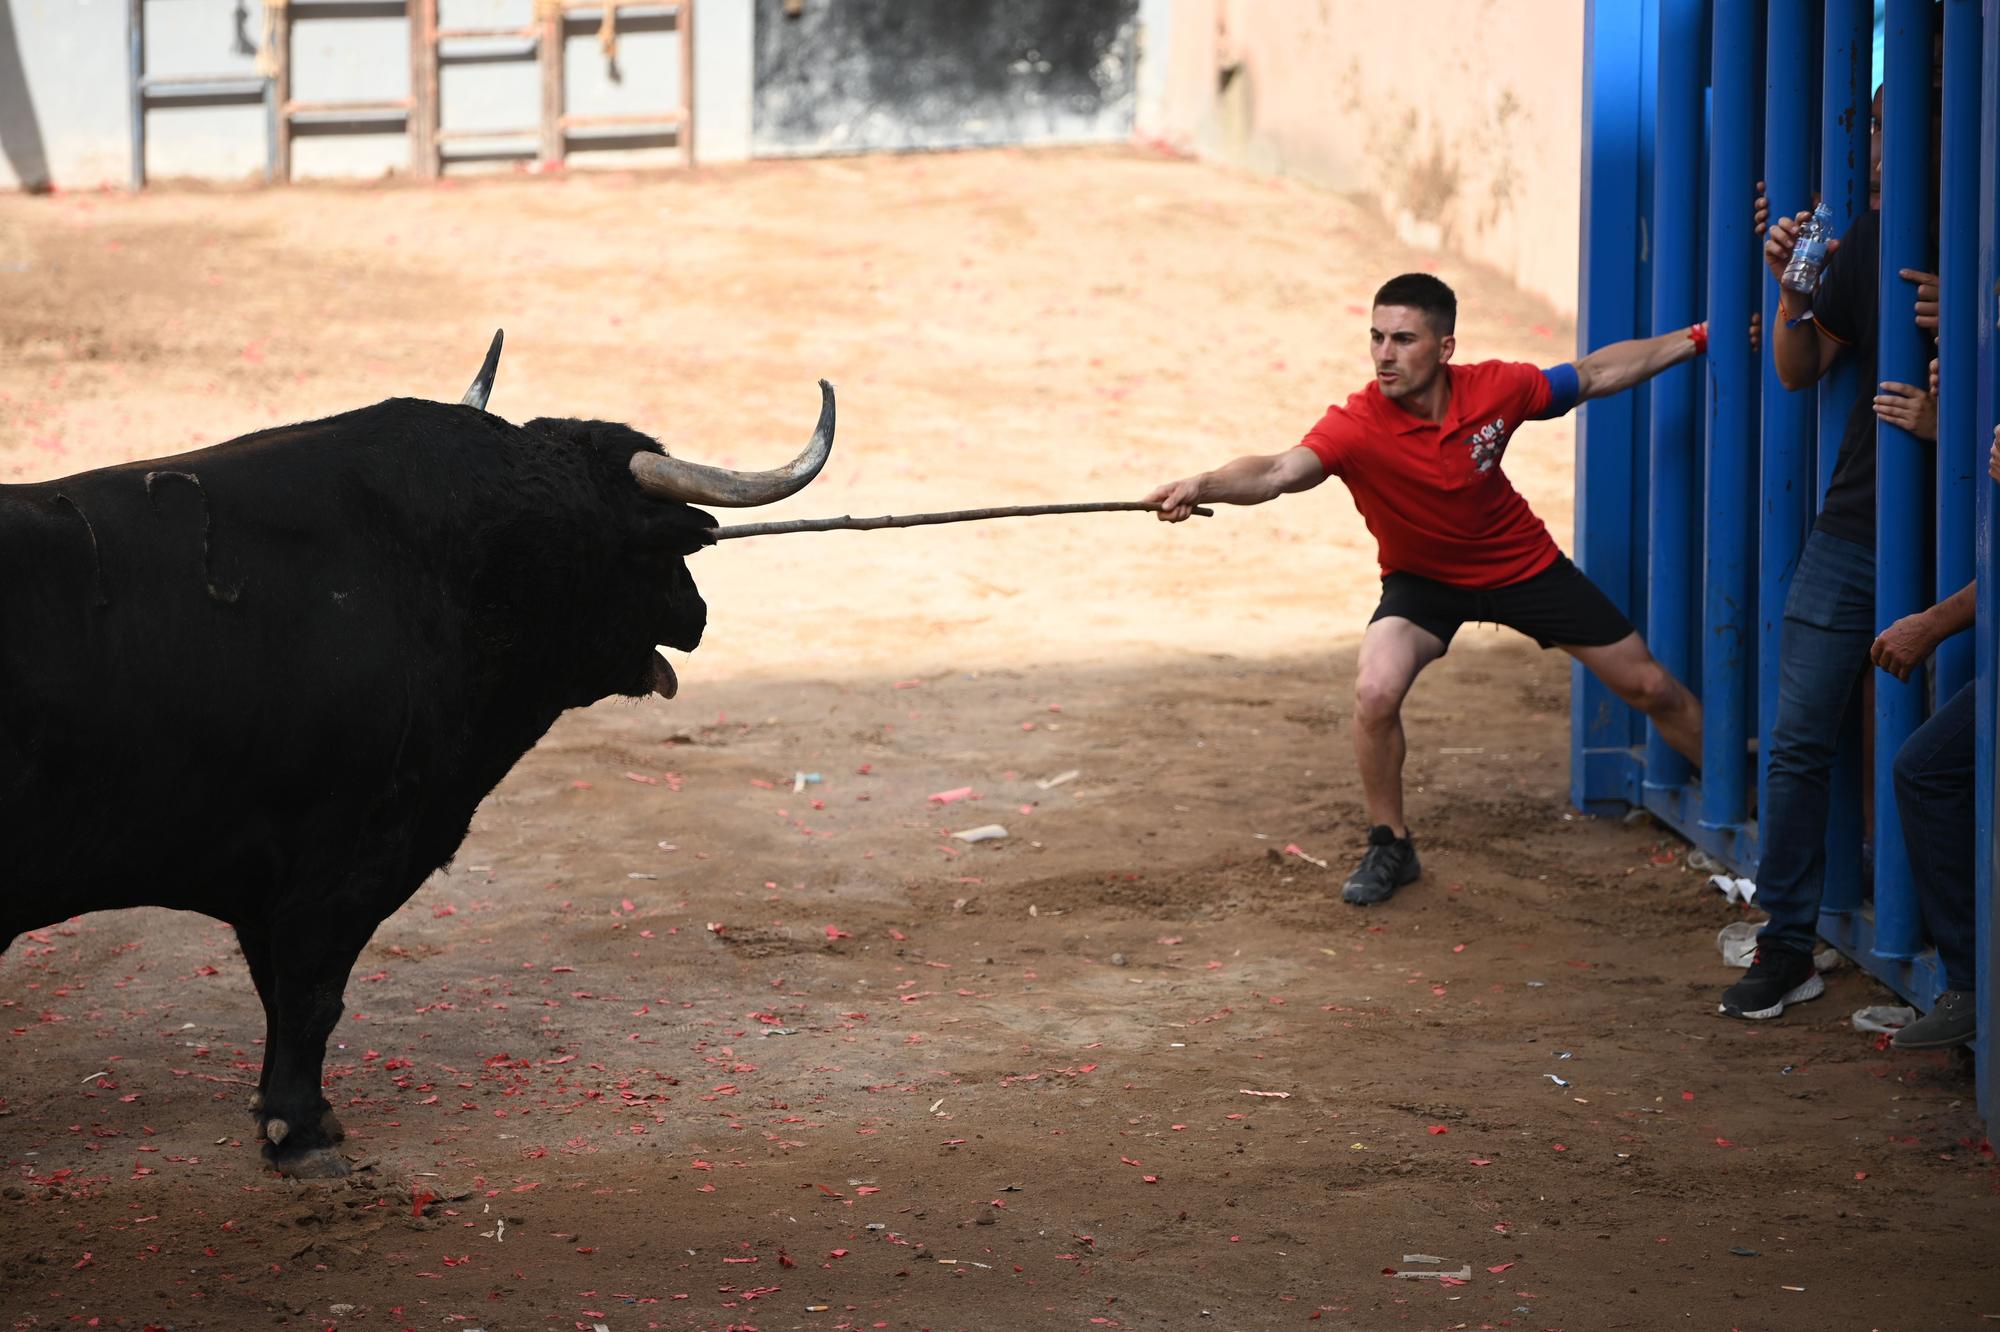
(527,33)
(454,136)
(664,119)
(397,104)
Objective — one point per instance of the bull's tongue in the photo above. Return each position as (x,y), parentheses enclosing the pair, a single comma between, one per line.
(664,683)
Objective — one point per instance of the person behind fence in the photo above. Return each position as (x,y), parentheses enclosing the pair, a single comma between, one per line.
(1829,616)
(1420,449)
(1934,797)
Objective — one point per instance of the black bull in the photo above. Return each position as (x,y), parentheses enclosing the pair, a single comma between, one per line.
(271,680)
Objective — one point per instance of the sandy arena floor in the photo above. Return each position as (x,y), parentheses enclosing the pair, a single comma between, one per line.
(675,1045)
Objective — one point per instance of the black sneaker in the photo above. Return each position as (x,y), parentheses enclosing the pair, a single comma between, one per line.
(1777,976)
(1953,1020)
(1388,863)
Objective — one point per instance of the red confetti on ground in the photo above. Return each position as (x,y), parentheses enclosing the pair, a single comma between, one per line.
(1437,1129)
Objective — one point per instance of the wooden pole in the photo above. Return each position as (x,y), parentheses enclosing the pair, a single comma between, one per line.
(845,524)
(551,15)
(423,89)
(280,19)
(684,21)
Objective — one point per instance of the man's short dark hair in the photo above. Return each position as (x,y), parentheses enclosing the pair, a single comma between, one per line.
(1421,291)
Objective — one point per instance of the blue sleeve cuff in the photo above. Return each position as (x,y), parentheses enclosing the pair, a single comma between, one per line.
(1563,388)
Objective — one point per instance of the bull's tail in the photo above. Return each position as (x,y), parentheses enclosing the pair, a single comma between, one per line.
(482,384)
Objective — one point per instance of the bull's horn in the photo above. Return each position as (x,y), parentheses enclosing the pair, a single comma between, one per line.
(673,479)
(482,384)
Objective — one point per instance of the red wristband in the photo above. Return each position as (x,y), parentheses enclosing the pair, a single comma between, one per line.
(1698,335)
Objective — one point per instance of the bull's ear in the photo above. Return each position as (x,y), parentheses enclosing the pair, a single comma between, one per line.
(482,383)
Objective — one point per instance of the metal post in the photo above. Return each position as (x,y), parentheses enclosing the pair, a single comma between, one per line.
(1787,472)
(1902,464)
(1730,410)
(1608,280)
(135,46)
(1846,88)
(1960,457)
(1986,541)
(1673,424)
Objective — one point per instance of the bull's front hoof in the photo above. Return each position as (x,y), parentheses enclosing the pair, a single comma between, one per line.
(312,1163)
(331,1127)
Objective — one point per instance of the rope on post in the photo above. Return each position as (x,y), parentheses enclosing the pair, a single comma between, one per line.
(846,524)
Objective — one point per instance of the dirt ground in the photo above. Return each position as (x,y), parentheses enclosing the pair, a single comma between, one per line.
(687,1040)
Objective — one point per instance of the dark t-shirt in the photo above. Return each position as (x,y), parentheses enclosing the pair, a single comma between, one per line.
(1845,309)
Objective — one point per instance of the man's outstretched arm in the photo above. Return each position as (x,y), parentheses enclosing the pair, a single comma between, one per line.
(1249,480)
(1615,368)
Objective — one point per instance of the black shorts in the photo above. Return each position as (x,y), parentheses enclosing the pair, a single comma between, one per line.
(1559,606)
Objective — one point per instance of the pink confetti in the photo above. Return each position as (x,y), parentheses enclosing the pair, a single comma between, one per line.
(952,796)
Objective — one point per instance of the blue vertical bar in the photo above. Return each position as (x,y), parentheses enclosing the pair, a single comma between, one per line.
(1960,457)
(1902,463)
(1847,85)
(1730,406)
(1787,471)
(1986,544)
(1673,421)
(1608,282)
(1846,88)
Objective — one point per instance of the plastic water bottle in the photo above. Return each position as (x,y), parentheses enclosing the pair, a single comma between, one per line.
(1802,270)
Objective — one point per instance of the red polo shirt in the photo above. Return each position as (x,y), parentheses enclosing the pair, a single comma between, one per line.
(1433,492)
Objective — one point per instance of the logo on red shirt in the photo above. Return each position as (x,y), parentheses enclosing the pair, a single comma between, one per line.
(1487,443)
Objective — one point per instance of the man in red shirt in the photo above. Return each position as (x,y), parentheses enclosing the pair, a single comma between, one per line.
(1420,450)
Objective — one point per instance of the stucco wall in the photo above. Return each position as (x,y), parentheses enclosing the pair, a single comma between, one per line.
(1460,119)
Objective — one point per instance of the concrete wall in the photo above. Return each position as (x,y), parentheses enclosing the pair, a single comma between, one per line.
(1460,119)
(65,100)
(847,76)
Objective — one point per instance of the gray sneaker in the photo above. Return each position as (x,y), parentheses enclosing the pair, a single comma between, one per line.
(1953,1020)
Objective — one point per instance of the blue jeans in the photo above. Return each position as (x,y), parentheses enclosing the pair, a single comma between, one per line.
(1823,647)
(1934,794)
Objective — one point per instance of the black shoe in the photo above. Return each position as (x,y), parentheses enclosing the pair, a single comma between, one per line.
(1953,1020)
(1777,976)
(1388,863)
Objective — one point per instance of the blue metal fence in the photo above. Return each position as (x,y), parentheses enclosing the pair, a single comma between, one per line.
(1695,495)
